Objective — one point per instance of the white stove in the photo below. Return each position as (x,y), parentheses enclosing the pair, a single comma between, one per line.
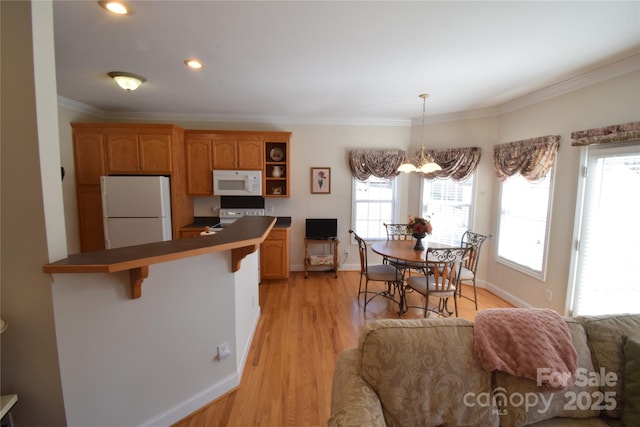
(229,215)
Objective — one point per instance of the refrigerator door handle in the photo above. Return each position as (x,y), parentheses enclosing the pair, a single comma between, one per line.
(107,243)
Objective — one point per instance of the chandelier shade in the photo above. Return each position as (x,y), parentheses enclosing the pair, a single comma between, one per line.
(422,163)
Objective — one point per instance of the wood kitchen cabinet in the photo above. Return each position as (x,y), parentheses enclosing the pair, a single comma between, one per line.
(206,150)
(185,234)
(138,153)
(276,177)
(199,164)
(125,149)
(91,230)
(274,255)
(238,153)
(88,150)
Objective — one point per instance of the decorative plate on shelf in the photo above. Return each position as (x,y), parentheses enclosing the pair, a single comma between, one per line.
(276,154)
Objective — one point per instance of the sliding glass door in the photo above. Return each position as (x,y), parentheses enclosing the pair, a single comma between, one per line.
(606,277)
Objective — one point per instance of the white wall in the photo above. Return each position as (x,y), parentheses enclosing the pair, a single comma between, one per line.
(152,360)
(31,198)
(612,102)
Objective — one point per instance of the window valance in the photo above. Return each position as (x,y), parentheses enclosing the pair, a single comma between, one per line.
(456,163)
(531,158)
(379,163)
(606,135)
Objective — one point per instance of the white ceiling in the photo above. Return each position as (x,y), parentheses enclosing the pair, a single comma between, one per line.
(335,61)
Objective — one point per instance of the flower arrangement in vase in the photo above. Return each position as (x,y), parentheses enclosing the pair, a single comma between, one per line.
(419,228)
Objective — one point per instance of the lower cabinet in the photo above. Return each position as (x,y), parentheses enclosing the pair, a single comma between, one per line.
(190,233)
(274,255)
(90,217)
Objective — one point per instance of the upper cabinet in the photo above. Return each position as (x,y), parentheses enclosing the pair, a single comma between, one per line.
(139,150)
(88,150)
(206,150)
(238,153)
(126,149)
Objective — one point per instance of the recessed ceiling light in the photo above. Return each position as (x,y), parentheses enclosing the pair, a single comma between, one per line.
(115,7)
(193,63)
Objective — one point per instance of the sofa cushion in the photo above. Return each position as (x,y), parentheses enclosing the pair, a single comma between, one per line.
(424,373)
(631,408)
(524,402)
(605,339)
(353,402)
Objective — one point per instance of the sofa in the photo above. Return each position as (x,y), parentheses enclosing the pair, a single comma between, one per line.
(408,372)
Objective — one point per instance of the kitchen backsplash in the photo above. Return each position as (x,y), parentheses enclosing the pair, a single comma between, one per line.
(206,206)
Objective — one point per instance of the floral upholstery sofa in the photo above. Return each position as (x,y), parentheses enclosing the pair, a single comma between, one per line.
(424,373)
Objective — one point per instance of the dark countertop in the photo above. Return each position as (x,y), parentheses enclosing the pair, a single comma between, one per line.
(245,231)
(242,237)
(200,222)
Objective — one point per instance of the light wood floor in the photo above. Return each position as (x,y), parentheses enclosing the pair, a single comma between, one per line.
(304,325)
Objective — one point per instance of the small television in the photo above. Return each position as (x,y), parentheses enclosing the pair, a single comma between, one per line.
(321,228)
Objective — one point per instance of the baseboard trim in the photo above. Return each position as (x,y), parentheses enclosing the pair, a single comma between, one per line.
(510,298)
(245,353)
(207,396)
(191,405)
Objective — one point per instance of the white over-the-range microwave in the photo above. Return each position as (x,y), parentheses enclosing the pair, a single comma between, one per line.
(237,183)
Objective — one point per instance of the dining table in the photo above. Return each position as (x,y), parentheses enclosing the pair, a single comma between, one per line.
(402,252)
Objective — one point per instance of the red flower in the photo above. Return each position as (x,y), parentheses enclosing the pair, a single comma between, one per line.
(419,226)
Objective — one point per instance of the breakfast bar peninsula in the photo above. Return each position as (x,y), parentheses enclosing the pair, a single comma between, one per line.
(129,357)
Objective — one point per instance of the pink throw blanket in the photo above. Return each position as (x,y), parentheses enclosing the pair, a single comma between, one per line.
(521,341)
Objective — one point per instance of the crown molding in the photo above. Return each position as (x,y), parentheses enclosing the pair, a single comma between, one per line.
(606,72)
(325,121)
(80,107)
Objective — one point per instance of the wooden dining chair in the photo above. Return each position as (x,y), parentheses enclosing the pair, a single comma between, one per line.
(385,273)
(444,266)
(401,232)
(472,241)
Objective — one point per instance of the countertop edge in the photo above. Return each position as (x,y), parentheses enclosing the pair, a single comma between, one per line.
(246,232)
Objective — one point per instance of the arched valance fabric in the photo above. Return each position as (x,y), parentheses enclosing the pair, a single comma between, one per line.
(606,135)
(379,163)
(531,158)
(456,163)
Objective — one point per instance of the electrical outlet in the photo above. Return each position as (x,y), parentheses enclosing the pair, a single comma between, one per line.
(223,351)
(547,295)
(346,252)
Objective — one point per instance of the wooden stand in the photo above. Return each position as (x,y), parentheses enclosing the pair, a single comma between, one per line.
(321,260)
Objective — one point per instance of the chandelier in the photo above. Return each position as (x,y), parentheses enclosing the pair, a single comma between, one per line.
(423,163)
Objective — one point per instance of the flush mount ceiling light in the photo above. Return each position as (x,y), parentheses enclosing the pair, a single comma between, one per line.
(116,7)
(193,63)
(127,81)
(423,163)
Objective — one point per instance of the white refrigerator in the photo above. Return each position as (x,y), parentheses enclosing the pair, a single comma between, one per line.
(135,209)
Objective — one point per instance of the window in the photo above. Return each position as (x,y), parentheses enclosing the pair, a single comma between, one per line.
(605,280)
(373,205)
(449,203)
(524,223)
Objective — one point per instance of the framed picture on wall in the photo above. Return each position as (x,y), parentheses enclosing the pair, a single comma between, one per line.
(320,180)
